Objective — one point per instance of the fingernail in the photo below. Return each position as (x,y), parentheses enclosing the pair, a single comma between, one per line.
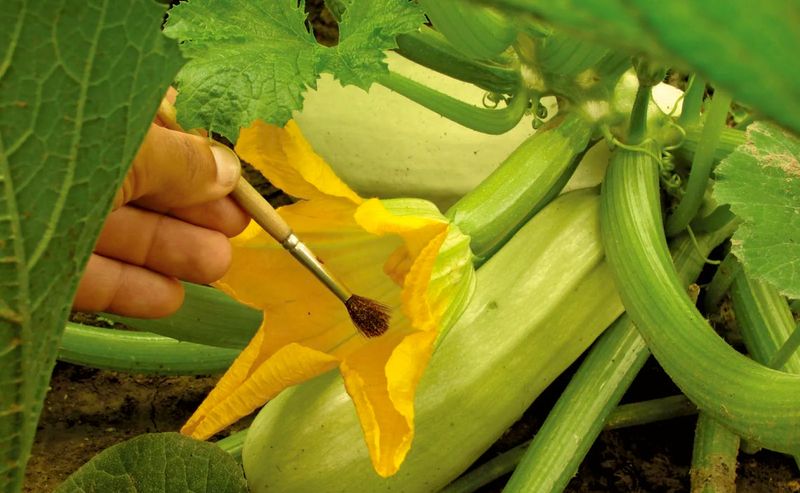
(228,167)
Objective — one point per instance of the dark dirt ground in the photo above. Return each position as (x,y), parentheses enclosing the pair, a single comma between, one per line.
(88,410)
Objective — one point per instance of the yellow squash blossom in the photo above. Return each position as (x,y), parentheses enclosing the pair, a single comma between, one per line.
(402,253)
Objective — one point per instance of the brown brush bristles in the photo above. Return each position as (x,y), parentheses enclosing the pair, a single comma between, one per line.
(370,317)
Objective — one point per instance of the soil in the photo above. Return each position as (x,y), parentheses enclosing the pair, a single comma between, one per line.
(88,410)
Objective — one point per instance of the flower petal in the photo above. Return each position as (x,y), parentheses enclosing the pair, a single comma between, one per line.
(297,307)
(252,380)
(287,160)
(416,232)
(381,378)
(416,300)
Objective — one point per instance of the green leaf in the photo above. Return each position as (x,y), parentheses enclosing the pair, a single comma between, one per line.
(247,60)
(158,463)
(254,60)
(748,48)
(761,182)
(611,22)
(744,47)
(367,29)
(79,85)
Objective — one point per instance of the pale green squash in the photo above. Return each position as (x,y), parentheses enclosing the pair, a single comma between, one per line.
(539,302)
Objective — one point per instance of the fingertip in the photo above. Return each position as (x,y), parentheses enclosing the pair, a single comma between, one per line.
(146,294)
(223,215)
(109,285)
(229,168)
(174,169)
(213,261)
(237,221)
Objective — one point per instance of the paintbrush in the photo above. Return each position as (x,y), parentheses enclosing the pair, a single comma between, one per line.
(370,317)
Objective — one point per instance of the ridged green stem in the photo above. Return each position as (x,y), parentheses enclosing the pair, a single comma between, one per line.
(429,48)
(764,320)
(721,282)
(713,457)
(638,124)
(476,30)
(581,411)
(758,403)
(729,140)
(637,413)
(692,101)
(207,316)
(233,444)
(524,183)
(720,215)
(487,472)
(787,350)
(598,385)
(489,121)
(766,324)
(140,352)
(702,164)
(506,462)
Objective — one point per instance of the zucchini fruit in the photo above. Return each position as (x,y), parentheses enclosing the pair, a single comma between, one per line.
(421,154)
(760,404)
(525,182)
(539,302)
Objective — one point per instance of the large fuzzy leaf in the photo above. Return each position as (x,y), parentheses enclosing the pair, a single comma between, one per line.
(761,182)
(158,463)
(79,83)
(254,60)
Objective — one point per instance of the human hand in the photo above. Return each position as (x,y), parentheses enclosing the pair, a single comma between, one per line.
(171,220)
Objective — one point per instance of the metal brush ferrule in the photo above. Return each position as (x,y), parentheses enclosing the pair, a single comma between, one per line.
(301,252)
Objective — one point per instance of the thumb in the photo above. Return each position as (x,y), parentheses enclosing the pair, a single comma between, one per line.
(175,169)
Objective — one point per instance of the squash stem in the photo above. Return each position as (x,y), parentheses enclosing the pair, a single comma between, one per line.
(207,316)
(729,140)
(639,413)
(759,404)
(431,49)
(765,323)
(720,215)
(140,352)
(605,374)
(638,125)
(720,283)
(522,185)
(233,444)
(713,457)
(692,101)
(702,164)
(634,414)
(787,350)
(489,121)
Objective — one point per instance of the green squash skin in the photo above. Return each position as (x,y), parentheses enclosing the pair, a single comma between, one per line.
(538,304)
(418,153)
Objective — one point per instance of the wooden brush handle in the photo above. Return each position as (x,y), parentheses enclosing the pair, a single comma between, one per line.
(261,211)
